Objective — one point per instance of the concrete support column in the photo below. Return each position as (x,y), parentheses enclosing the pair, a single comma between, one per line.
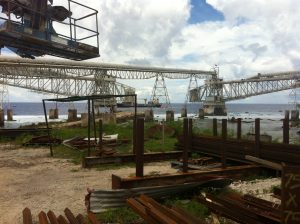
(201,113)
(295,115)
(183,112)
(169,115)
(84,120)
(10,115)
(72,115)
(287,115)
(149,116)
(1,118)
(53,113)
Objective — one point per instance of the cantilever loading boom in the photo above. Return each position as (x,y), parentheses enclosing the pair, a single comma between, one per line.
(70,78)
(215,92)
(253,86)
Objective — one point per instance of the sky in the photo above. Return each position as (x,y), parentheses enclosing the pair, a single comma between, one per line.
(242,37)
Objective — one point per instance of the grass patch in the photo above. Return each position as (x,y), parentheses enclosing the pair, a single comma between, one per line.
(190,206)
(122,215)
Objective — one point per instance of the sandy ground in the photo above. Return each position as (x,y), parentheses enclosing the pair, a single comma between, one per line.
(30,178)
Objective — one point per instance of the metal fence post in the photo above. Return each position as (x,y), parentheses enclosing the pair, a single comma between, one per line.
(139,150)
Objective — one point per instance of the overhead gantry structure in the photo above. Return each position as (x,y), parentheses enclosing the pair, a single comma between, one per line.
(215,92)
(69,78)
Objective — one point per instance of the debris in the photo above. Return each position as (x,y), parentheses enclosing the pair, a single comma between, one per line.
(43,140)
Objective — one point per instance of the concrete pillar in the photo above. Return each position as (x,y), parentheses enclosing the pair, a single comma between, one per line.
(149,116)
(72,115)
(287,115)
(183,112)
(169,115)
(53,113)
(294,115)
(10,115)
(1,118)
(108,118)
(84,119)
(201,113)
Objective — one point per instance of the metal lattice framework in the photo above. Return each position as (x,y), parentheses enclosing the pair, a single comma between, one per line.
(239,89)
(69,78)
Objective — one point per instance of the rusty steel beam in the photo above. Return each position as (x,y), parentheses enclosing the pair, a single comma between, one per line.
(239,129)
(238,149)
(139,154)
(257,137)
(88,162)
(215,127)
(186,145)
(27,218)
(223,148)
(286,131)
(236,172)
(290,195)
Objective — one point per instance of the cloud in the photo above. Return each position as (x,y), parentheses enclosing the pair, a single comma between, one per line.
(255,36)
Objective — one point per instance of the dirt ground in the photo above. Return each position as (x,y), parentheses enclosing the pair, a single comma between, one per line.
(30,178)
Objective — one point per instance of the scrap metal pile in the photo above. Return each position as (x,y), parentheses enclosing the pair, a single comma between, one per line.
(51,218)
(153,212)
(243,209)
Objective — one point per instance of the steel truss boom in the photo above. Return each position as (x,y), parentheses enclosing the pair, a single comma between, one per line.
(59,68)
(254,86)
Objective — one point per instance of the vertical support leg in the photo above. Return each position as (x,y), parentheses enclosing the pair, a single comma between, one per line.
(239,128)
(89,127)
(48,130)
(257,137)
(94,122)
(224,137)
(186,144)
(139,153)
(100,134)
(215,127)
(286,131)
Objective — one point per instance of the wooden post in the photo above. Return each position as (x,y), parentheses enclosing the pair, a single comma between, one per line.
(186,145)
(239,128)
(139,153)
(286,131)
(257,137)
(215,127)
(224,137)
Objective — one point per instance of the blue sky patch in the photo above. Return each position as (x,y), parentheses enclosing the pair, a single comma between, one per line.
(202,12)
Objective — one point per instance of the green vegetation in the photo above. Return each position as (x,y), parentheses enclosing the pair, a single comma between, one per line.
(190,206)
(122,215)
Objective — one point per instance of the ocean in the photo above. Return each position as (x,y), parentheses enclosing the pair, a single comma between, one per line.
(33,112)
(270,115)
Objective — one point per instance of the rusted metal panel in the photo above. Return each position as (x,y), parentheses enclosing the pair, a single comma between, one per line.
(290,195)
(101,200)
